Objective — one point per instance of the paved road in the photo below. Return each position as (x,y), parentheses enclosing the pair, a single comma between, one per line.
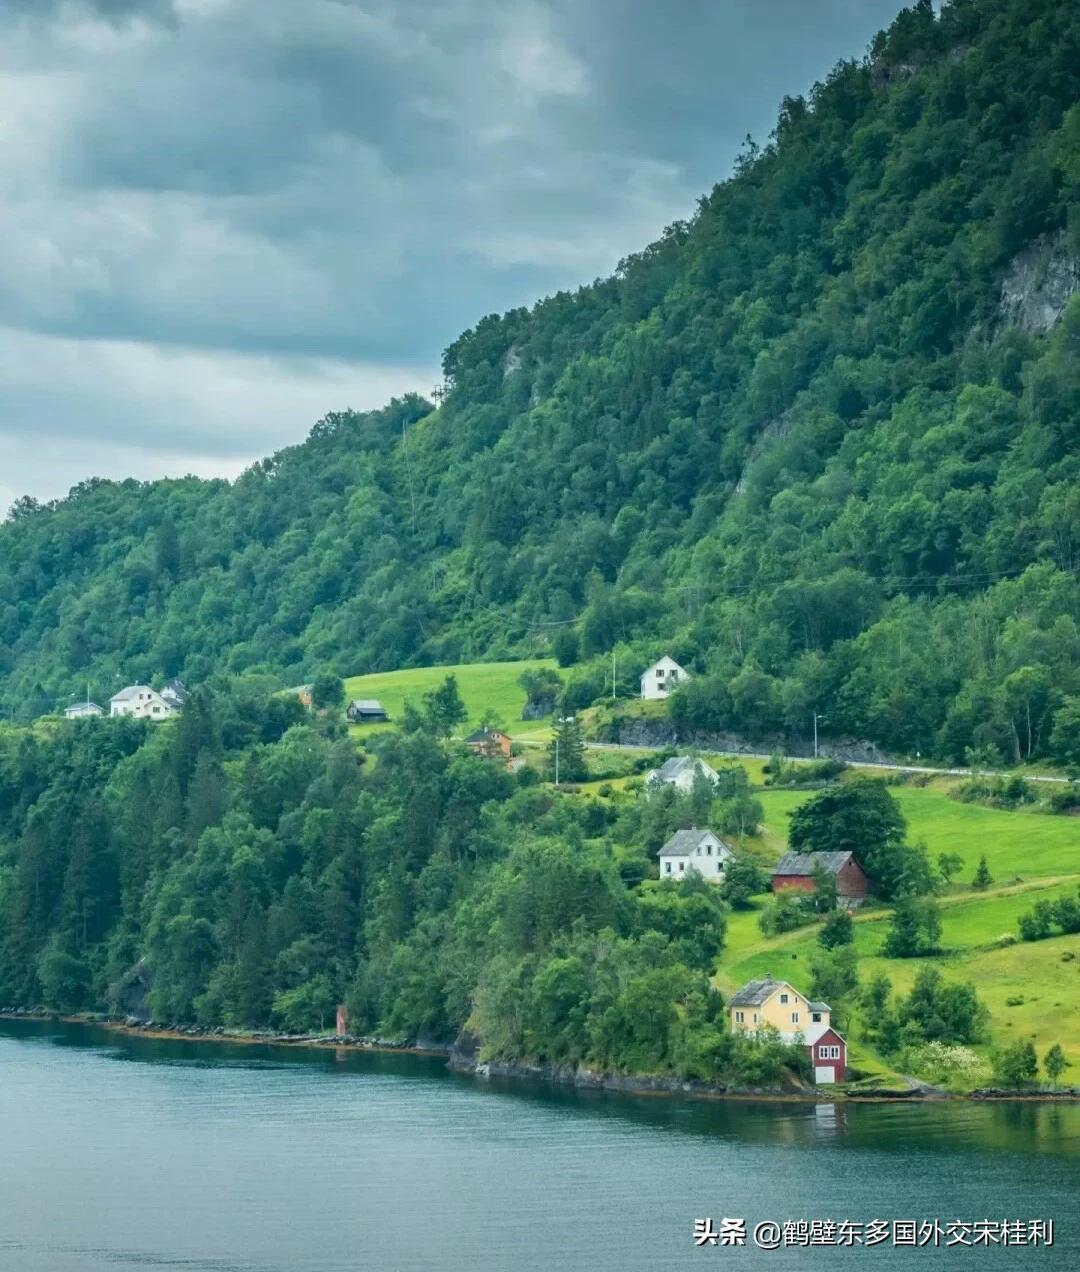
(764,755)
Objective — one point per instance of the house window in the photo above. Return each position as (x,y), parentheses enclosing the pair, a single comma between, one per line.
(659,673)
(755,1017)
(682,866)
(783,998)
(794,1017)
(815,1016)
(828,1053)
(740,1016)
(708,850)
(667,867)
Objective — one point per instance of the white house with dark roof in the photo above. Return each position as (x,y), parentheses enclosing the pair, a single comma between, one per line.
(662,677)
(680,771)
(141,702)
(697,850)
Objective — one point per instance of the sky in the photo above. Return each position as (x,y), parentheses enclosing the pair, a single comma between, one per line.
(221,219)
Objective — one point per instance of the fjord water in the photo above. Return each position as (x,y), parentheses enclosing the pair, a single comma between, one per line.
(138,1153)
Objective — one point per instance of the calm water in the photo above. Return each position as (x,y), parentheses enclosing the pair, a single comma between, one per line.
(134,1154)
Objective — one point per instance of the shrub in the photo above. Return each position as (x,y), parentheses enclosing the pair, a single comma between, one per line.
(1016,1065)
(1065,802)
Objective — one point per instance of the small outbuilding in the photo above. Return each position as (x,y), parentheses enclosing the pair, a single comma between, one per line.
(366,711)
(81,710)
(796,870)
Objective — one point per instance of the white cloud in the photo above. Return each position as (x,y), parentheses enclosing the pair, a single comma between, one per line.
(221,218)
(117,408)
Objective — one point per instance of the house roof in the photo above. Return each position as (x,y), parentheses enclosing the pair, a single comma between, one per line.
(802,863)
(755,992)
(812,1033)
(81,706)
(176,689)
(683,843)
(485,735)
(130,691)
(366,704)
(679,764)
(820,1007)
(666,661)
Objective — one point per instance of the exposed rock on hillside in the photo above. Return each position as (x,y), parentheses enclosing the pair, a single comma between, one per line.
(1039,283)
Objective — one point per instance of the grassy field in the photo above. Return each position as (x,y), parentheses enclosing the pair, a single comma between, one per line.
(483,686)
(1022,844)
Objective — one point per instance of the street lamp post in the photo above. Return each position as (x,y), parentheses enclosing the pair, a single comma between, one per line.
(822,720)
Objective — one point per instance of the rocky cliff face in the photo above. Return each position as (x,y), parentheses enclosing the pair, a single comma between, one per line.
(1040,281)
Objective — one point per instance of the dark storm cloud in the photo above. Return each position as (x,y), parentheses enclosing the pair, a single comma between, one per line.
(335,189)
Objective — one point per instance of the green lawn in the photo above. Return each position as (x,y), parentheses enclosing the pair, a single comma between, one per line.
(1020,844)
(483,686)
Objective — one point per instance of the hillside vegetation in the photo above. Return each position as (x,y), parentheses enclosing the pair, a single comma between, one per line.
(799,442)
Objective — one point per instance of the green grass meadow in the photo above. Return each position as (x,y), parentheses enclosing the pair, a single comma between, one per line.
(483,686)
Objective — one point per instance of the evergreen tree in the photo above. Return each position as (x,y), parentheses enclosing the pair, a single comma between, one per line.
(982,879)
(566,751)
(915,929)
(838,929)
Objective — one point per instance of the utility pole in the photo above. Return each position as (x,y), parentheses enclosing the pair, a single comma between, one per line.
(613,675)
(556,761)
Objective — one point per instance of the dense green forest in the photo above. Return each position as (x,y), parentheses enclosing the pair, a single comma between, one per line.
(799,442)
(240,867)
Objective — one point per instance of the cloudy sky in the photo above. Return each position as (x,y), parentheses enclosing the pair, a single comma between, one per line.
(220,219)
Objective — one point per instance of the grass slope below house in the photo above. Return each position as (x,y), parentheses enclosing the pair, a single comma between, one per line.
(483,687)
(1031,988)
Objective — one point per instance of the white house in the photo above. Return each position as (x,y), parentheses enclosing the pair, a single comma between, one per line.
(695,849)
(78,710)
(140,701)
(680,771)
(175,694)
(664,675)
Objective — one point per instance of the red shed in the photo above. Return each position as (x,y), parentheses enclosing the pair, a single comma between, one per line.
(828,1055)
(796,870)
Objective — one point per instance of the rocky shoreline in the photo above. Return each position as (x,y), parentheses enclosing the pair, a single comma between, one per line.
(462,1057)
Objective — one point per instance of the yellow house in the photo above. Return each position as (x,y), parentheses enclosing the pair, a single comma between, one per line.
(768,1003)
(772,1002)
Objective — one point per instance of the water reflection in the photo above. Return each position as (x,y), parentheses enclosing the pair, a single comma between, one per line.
(1026,1126)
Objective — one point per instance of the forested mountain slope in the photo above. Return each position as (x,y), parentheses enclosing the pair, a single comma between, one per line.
(819,442)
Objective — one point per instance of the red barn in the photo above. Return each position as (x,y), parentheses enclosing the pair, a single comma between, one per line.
(796,870)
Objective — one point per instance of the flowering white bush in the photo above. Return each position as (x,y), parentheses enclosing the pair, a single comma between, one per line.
(942,1061)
